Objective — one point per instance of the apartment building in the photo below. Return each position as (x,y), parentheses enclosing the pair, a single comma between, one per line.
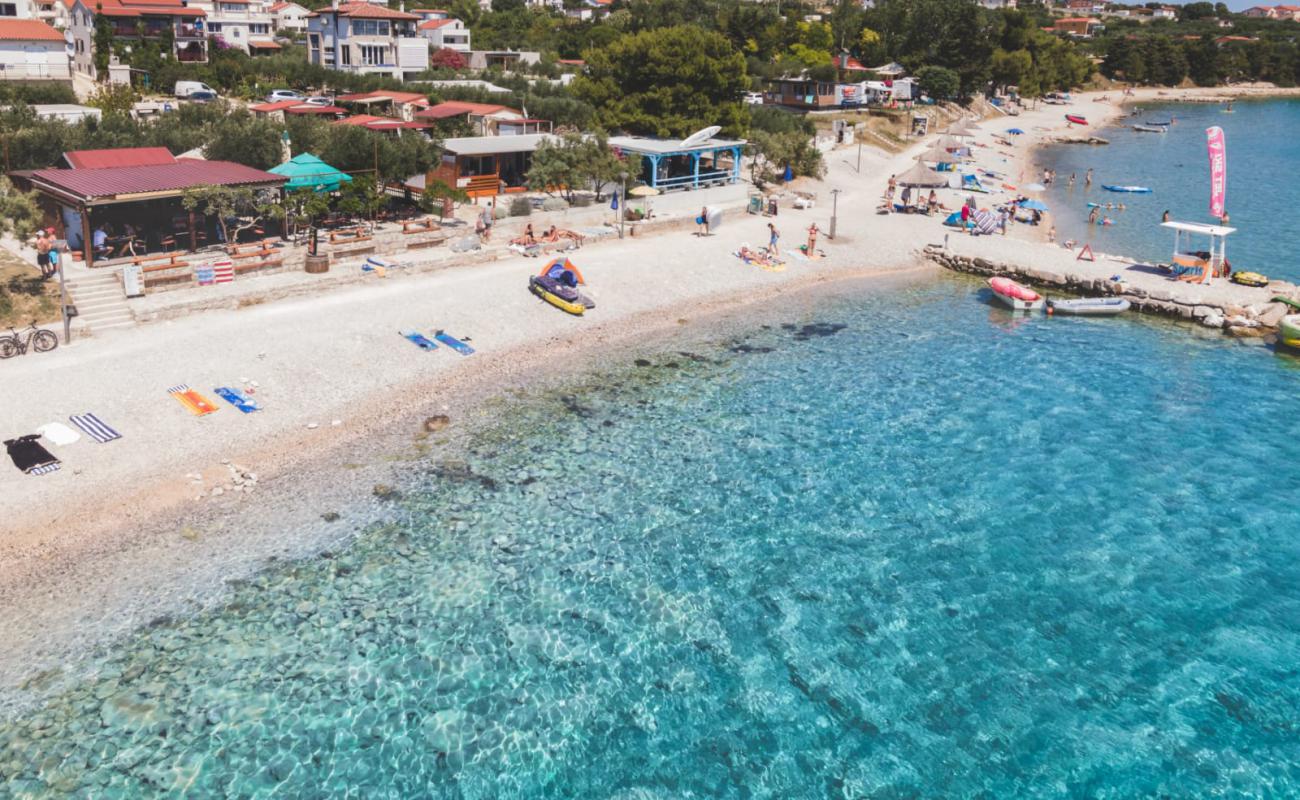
(446,33)
(137,20)
(31,50)
(288,17)
(242,24)
(367,38)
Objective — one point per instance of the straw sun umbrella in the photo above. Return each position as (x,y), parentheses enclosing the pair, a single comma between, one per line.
(642,192)
(922,177)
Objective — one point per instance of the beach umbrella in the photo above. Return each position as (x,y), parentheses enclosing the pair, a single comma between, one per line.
(306,171)
(643,192)
(1034,187)
(961,127)
(986,221)
(939,155)
(922,177)
(1034,205)
(1014,131)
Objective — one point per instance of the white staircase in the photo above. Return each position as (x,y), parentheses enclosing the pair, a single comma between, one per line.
(101,305)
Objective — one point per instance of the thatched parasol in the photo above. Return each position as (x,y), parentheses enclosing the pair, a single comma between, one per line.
(922,177)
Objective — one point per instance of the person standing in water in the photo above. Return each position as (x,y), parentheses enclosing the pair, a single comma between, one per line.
(1165,216)
(1087,179)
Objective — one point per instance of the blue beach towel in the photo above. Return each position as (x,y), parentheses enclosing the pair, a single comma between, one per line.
(419,340)
(237,399)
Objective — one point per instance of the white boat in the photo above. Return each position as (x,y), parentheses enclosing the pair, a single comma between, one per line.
(1089,306)
(1015,296)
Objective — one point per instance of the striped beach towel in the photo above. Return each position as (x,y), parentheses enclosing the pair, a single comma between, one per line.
(94,427)
(45,470)
(197,404)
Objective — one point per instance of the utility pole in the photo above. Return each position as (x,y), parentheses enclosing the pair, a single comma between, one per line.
(861,128)
(835,204)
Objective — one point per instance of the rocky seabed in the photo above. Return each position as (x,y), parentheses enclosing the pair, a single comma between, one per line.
(1257,320)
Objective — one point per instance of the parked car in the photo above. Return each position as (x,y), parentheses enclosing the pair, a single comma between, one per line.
(284,94)
(318,100)
(754,98)
(187,88)
(201,97)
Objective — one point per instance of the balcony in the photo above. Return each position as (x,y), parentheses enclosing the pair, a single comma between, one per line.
(189,32)
(192,53)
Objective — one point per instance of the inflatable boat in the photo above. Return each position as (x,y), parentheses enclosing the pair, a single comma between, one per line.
(1288,331)
(1076,119)
(1014,295)
(565,298)
(1089,306)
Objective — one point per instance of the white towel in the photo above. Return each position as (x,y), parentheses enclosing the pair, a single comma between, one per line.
(58,433)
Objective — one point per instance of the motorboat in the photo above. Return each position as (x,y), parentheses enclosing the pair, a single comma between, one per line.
(1089,306)
(1015,296)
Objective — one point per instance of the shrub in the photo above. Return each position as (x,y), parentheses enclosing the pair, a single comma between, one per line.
(520,207)
(554,204)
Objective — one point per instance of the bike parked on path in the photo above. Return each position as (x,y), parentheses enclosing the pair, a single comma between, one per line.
(15,344)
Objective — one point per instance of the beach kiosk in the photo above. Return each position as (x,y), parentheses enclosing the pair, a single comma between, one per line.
(1194,265)
(690,163)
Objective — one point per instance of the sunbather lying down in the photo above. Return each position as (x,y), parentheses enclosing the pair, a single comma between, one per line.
(552,235)
(762,258)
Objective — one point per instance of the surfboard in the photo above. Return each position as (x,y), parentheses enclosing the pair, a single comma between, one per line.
(453,343)
(701,136)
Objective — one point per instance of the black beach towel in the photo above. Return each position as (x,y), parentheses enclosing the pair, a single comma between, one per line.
(29,456)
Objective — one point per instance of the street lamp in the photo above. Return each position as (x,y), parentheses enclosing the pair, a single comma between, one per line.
(835,203)
(622,209)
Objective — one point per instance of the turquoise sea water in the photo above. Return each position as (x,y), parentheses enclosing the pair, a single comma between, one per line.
(905,546)
(1263,138)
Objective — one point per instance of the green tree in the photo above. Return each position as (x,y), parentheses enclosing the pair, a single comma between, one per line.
(360,198)
(102,39)
(235,209)
(771,153)
(242,138)
(668,82)
(939,83)
(297,209)
(574,162)
(113,98)
(1200,10)
(19,213)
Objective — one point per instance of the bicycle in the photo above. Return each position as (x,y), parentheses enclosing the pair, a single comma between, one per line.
(41,340)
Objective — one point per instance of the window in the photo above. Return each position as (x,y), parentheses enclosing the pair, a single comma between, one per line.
(346,54)
(258,27)
(214,27)
(8,9)
(369,27)
(373,55)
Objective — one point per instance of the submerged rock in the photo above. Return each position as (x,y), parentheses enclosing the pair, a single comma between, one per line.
(436,423)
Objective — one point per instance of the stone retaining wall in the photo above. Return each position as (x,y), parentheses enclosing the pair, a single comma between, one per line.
(1242,321)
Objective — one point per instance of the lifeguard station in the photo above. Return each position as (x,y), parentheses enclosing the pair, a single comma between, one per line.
(1198,266)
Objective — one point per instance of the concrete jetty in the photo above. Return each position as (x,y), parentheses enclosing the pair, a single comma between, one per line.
(1243,311)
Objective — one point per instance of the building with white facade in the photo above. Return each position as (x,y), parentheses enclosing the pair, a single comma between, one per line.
(449,33)
(31,50)
(242,24)
(17,9)
(368,39)
(288,17)
(133,20)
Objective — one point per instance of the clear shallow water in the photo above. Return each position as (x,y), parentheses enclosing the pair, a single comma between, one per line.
(1263,139)
(938,552)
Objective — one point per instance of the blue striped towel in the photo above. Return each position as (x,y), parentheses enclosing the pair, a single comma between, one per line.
(94,427)
(237,399)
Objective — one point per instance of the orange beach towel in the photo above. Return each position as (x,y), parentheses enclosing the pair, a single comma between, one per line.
(197,404)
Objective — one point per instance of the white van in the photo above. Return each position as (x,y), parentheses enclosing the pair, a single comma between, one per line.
(187,88)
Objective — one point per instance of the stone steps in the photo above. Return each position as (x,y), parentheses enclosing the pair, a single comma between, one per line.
(101,306)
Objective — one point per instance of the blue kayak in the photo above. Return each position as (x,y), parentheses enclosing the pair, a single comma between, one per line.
(1129,189)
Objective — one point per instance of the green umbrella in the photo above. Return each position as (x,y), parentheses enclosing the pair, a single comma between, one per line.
(306,171)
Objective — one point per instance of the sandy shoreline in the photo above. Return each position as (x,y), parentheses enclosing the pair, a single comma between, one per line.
(119,536)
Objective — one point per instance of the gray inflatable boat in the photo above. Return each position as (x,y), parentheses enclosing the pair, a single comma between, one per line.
(1089,306)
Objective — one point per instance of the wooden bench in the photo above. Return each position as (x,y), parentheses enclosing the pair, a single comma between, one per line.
(175,270)
(425,225)
(148,262)
(251,262)
(349,236)
(238,250)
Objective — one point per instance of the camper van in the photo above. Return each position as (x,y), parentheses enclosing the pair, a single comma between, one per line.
(187,88)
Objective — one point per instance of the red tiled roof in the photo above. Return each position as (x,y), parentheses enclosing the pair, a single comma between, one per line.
(366,11)
(28,30)
(262,44)
(306,109)
(455,108)
(279,105)
(575,62)
(379,123)
(119,157)
(396,97)
(434,24)
(89,184)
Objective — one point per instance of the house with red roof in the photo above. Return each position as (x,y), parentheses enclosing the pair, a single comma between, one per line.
(483,119)
(136,20)
(30,50)
(1273,12)
(449,33)
(288,17)
(368,39)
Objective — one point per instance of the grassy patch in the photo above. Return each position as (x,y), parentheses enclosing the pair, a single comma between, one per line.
(23,295)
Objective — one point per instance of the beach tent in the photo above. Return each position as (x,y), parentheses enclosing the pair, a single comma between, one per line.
(1034,205)
(986,221)
(971,183)
(954,220)
(923,177)
(306,171)
(556,271)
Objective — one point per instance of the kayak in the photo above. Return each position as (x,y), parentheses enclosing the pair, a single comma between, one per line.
(1249,279)
(547,290)
(1288,331)
(1089,306)
(1129,189)
(1150,129)
(1014,295)
(1164,123)
(1076,119)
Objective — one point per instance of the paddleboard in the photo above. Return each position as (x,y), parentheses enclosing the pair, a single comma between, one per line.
(453,343)
(701,136)
(419,340)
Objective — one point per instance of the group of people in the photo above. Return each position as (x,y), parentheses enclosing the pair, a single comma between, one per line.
(47,253)
(928,206)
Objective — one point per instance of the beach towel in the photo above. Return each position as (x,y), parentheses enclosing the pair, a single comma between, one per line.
(419,340)
(29,456)
(197,404)
(94,427)
(237,399)
(58,433)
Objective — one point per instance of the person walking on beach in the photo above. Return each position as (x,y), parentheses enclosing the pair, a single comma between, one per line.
(812,240)
(703,221)
(907,198)
(773,238)
(933,202)
(484,226)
